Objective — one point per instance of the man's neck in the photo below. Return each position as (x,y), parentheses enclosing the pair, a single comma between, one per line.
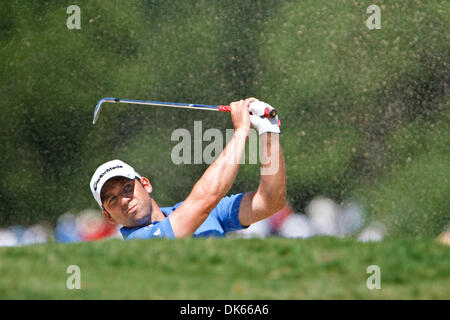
(157,214)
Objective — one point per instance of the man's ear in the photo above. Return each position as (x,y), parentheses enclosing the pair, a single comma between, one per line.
(146,183)
(108,217)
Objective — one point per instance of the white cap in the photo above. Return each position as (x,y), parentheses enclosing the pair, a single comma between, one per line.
(108,170)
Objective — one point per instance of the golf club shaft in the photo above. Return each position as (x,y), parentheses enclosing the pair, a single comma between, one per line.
(222,108)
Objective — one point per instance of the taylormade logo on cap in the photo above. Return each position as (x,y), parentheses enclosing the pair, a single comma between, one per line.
(108,170)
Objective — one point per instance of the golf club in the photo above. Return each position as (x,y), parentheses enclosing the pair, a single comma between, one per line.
(269,113)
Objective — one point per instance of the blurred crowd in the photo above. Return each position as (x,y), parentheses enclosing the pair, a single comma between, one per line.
(322,216)
(88,225)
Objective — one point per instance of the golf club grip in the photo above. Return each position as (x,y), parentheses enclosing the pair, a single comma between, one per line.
(268,113)
(224,108)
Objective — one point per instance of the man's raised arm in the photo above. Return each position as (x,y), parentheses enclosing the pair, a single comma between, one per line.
(270,197)
(217,179)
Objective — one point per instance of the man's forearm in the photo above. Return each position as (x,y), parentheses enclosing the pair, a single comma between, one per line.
(220,175)
(270,197)
(272,186)
(210,189)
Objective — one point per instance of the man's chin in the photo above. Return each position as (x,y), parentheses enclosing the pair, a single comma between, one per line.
(142,222)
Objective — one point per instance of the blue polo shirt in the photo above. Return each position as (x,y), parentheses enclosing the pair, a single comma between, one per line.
(222,219)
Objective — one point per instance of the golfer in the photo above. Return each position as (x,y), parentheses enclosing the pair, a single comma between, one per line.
(125,196)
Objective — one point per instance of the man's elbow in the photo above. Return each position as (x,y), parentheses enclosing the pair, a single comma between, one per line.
(281,203)
(277,203)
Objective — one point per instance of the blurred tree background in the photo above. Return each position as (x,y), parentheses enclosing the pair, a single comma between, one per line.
(365,113)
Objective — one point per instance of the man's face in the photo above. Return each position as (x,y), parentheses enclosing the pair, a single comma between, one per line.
(127,201)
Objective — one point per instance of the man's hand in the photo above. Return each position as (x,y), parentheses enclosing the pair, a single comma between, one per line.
(259,121)
(240,114)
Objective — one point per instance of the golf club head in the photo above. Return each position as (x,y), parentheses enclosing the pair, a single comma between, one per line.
(99,106)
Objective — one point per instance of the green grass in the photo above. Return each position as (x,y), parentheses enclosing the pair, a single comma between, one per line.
(273,268)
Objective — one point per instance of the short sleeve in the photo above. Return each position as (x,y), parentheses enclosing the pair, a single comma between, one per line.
(227,212)
(162,229)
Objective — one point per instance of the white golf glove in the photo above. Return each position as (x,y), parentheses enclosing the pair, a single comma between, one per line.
(259,121)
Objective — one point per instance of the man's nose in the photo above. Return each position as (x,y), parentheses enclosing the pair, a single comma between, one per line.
(125,199)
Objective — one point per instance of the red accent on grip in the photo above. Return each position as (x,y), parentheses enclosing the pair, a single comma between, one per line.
(225,108)
(268,113)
